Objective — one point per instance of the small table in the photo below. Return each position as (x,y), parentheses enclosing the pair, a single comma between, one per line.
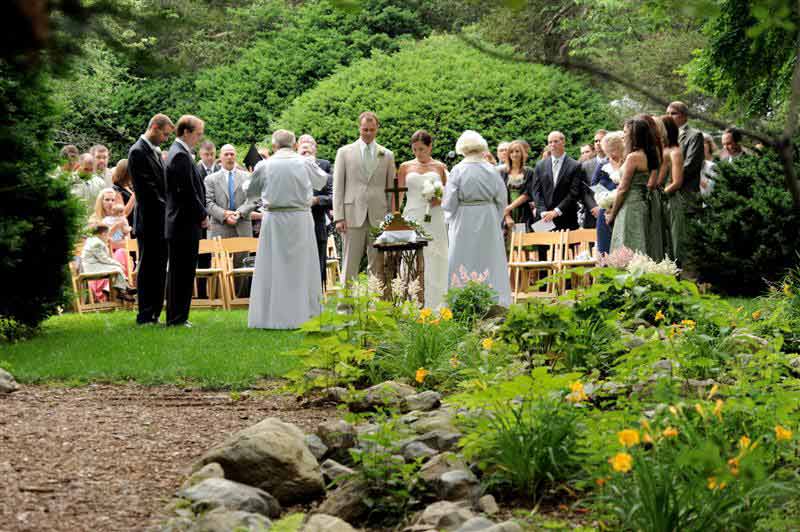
(404,261)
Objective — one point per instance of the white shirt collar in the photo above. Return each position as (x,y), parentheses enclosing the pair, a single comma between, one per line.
(553,158)
(184,145)
(152,146)
(363,145)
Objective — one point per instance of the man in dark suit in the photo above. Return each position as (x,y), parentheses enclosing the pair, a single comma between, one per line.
(186,218)
(147,175)
(693,149)
(590,208)
(321,204)
(208,163)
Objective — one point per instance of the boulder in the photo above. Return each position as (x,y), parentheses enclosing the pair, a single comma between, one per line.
(695,388)
(222,520)
(336,394)
(441,440)
(441,419)
(415,449)
(219,492)
(346,502)
(271,455)
(444,514)
(433,469)
(423,401)
(389,394)
(7,382)
(338,436)
(326,523)
(331,470)
(315,445)
(212,470)
(488,505)
(476,524)
(505,526)
(458,485)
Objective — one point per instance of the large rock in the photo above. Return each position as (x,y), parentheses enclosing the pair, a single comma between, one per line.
(488,505)
(433,469)
(331,470)
(458,485)
(219,492)
(441,419)
(423,401)
(444,515)
(212,470)
(389,394)
(326,523)
(441,440)
(273,456)
(346,502)
(476,524)
(338,436)
(315,445)
(222,520)
(7,382)
(416,449)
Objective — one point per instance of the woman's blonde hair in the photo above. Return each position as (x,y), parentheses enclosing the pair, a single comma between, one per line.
(613,141)
(99,213)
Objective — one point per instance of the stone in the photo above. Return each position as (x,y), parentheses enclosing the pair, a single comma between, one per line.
(336,394)
(176,524)
(212,470)
(326,523)
(794,363)
(632,341)
(423,401)
(488,505)
(222,520)
(476,524)
(337,435)
(7,382)
(696,387)
(440,440)
(458,485)
(415,449)
(331,470)
(389,394)
(346,502)
(271,455)
(315,445)
(505,526)
(441,419)
(663,367)
(219,492)
(439,465)
(444,514)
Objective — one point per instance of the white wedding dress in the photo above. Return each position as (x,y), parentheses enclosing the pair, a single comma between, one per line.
(435,252)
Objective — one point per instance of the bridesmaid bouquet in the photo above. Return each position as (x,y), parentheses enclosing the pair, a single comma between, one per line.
(605,200)
(432,189)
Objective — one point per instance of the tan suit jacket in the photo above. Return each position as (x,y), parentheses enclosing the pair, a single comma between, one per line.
(357,197)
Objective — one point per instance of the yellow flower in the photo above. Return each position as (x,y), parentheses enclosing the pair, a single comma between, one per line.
(659,316)
(645,424)
(487,343)
(646,438)
(670,432)
(739,309)
(699,408)
(688,324)
(733,465)
(424,314)
(675,410)
(421,374)
(600,481)
(454,362)
(718,409)
(756,315)
(435,322)
(446,314)
(744,443)
(621,462)
(713,485)
(713,392)
(577,393)
(628,437)
(782,433)
(787,289)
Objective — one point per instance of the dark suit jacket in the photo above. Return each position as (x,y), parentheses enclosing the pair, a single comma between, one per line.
(564,196)
(186,195)
(325,196)
(147,175)
(692,147)
(586,195)
(202,169)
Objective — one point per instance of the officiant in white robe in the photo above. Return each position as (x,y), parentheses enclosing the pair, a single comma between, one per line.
(287,289)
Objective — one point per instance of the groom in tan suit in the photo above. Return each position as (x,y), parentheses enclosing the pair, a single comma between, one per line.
(362,172)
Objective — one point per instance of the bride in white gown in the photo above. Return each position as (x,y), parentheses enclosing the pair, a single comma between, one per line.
(414,174)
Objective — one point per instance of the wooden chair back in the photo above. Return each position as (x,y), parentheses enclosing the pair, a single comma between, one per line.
(213,277)
(229,248)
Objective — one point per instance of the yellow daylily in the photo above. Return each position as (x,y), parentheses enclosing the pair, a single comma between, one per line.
(756,315)
(577,393)
(421,374)
(782,433)
(628,437)
(744,443)
(621,462)
(487,343)
(689,324)
(659,316)
(424,314)
(670,432)
(733,465)
(718,409)
(446,314)
(787,289)
(714,485)
(699,409)
(713,392)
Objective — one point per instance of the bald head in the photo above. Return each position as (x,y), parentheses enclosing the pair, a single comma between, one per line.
(556,142)
(227,155)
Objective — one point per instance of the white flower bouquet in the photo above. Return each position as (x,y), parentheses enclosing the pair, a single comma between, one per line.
(431,189)
(605,199)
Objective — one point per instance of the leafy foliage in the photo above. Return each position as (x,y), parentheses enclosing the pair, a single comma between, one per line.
(470,302)
(746,236)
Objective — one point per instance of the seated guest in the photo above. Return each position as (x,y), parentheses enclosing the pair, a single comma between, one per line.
(69,157)
(104,212)
(95,258)
(123,186)
(101,157)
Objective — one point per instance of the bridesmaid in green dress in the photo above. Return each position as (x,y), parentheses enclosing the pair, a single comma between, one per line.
(630,214)
(676,202)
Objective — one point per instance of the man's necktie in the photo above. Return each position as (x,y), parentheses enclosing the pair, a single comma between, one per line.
(231,203)
(556,168)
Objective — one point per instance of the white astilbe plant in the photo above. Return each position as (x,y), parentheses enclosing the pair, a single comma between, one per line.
(399,288)
(414,290)
(375,286)
(641,264)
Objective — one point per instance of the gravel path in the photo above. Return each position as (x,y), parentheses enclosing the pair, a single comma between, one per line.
(109,457)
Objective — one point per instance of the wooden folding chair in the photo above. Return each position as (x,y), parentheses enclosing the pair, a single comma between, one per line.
(332,266)
(84,300)
(526,266)
(580,250)
(132,247)
(229,247)
(213,275)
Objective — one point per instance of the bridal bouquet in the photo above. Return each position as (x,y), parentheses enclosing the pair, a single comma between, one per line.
(432,189)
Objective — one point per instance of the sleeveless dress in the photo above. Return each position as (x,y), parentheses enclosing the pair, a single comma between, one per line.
(676,227)
(631,223)
(655,225)
(435,252)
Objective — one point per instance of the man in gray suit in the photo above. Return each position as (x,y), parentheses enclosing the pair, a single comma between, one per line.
(226,200)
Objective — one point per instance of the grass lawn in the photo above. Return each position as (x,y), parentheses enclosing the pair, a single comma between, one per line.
(219,352)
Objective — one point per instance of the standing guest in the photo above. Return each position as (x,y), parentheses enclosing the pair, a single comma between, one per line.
(474,200)
(502,155)
(208,159)
(732,144)
(287,289)
(607,175)
(599,159)
(517,180)
(69,157)
(96,259)
(362,172)
(545,153)
(587,153)
(226,200)
(147,176)
(556,186)
(709,172)
(86,185)
(672,176)
(489,158)
(101,156)
(691,141)
(415,174)
(123,186)
(589,209)
(186,218)
(320,204)
(630,214)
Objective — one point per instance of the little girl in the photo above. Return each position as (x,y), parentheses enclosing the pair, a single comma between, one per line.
(118,226)
(95,258)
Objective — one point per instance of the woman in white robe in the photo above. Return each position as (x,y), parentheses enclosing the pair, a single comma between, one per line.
(287,288)
(474,200)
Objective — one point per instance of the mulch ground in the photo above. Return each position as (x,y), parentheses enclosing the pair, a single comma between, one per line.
(109,457)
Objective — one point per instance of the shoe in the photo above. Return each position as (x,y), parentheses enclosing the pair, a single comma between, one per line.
(188,324)
(130,291)
(125,296)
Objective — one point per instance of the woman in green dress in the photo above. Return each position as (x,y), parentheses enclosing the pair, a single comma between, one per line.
(676,203)
(630,215)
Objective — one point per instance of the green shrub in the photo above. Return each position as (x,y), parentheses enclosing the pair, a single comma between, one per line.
(444,86)
(38,216)
(747,235)
(471,301)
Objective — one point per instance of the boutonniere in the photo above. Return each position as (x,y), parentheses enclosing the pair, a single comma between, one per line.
(381,152)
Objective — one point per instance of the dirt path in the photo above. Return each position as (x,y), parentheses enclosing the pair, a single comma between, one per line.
(108,458)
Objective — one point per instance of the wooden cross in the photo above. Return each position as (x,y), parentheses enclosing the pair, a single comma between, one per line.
(396,190)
